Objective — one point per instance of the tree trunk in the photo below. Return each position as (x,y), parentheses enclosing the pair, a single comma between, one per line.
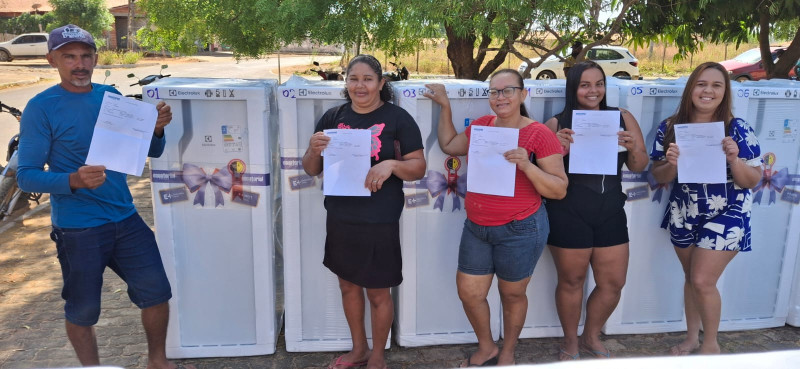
(788,59)
(763,42)
(460,51)
(131,17)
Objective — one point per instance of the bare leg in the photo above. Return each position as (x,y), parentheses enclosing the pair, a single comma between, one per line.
(610,268)
(382,314)
(571,266)
(472,290)
(707,266)
(84,342)
(353,304)
(692,341)
(515,308)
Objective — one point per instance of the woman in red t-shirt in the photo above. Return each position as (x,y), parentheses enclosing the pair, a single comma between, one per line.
(503,235)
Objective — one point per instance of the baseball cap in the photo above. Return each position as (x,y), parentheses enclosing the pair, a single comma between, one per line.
(67,34)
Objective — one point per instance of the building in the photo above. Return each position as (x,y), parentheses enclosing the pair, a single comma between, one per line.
(116,38)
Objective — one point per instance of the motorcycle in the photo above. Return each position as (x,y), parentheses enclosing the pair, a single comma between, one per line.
(147,80)
(327,75)
(12,198)
(399,74)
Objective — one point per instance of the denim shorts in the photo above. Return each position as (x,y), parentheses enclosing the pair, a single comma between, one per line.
(128,247)
(510,251)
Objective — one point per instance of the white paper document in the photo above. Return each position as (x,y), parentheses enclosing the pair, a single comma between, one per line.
(701,159)
(122,134)
(346,162)
(595,146)
(488,171)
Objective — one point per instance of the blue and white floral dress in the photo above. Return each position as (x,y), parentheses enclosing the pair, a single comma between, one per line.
(714,216)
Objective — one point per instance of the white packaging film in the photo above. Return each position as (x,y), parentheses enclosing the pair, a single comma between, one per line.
(314,317)
(213,208)
(755,287)
(428,309)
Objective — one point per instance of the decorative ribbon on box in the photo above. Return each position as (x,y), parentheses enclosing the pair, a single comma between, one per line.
(772,181)
(658,188)
(440,185)
(196,179)
(220,180)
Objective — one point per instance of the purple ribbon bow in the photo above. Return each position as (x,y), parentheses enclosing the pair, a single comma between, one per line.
(196,179)
(773,182)
(439,187)
(657,187)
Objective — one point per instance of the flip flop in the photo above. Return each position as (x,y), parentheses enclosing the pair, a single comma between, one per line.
(490,362)
(595,353)
(340,363)
(677,351)
(563,355)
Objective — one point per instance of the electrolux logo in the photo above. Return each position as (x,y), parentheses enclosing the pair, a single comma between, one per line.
(664,91)
(184,93)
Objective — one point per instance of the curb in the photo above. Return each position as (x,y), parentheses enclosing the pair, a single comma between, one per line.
(20,83)
(111,66)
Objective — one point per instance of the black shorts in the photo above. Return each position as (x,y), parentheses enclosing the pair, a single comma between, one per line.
(367,255)
(586,219)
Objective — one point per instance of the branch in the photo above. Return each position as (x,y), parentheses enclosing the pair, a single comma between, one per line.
(614,30)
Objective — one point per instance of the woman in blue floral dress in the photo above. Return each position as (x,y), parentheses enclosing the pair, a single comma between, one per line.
(708,223)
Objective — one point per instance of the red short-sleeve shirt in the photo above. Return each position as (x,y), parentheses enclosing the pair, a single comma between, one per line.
(492,210)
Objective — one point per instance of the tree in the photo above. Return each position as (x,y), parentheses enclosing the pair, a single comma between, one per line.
(473,28)
(560,23)
(689,24)
(91,15)
(26,23)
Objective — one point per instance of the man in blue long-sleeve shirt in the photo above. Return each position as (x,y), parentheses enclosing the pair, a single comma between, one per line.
(95,224)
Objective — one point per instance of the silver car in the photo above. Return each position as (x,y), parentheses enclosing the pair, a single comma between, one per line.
(615,60)
(28,45)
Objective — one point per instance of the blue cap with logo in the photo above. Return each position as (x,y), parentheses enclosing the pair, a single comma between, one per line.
(68,34)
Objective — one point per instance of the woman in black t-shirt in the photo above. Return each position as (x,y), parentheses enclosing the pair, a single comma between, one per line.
(362,245)
(589,225)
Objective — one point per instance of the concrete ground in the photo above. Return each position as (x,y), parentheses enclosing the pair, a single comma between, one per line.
(32,326)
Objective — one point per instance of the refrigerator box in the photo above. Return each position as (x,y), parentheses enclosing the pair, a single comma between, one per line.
(427,308)
(652,299)
(756,286)
(213,204)
(314,316)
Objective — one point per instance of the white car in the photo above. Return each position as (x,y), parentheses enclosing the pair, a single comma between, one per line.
(28,45)
(615,60)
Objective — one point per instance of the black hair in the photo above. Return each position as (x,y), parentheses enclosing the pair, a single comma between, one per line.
(522,110)
(386,92)
(573,81)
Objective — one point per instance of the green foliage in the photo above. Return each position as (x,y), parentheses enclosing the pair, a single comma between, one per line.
(25,23)
(473,28)
(91,15)
(110,57)
(786,30)
(688,24)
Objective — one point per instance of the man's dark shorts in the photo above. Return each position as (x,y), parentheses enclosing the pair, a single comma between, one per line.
(128,247)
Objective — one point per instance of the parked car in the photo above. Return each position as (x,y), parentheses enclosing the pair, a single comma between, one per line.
(616,61)
(28,45)
(747,66)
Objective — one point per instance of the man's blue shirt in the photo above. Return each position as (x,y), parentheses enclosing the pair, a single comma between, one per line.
(56,129)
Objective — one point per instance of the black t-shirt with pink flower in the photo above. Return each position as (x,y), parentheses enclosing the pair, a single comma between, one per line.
(394,134)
